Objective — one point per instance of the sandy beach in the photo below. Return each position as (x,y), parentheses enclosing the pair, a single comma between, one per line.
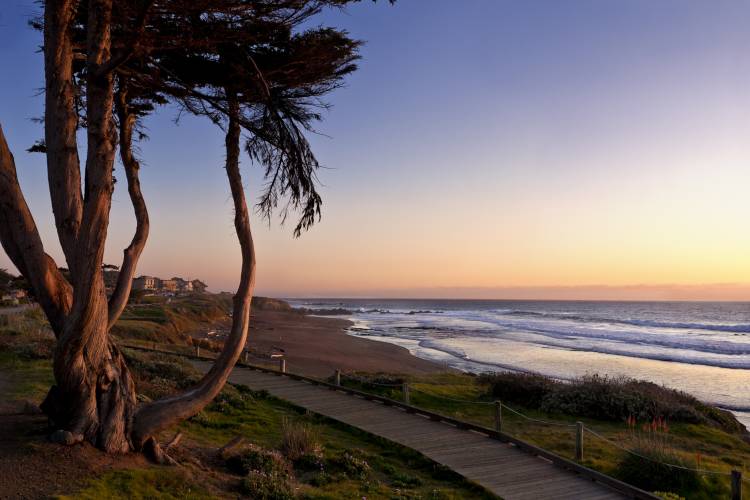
(317,346)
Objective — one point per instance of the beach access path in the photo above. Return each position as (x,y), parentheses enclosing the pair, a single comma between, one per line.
(501,467)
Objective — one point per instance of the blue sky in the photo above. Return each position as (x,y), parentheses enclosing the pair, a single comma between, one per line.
(482,144)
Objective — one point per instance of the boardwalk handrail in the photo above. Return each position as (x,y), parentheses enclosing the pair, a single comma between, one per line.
(559,424)
(620,486)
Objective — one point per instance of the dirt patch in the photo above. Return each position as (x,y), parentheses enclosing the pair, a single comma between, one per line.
(32,467)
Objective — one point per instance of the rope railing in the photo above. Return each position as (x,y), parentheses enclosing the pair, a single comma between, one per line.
(581,428)
(736,477)
(367,381)
(644,457)
(537,420)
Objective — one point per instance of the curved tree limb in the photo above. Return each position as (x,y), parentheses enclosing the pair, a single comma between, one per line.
(132,253)
(21,241)
(160,414)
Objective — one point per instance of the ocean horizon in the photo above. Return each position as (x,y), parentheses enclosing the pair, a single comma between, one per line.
(699,347)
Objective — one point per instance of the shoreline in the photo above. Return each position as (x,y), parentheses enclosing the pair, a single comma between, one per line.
(318,346)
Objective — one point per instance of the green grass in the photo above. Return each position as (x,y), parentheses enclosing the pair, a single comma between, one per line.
(30,379)
(164,483)
(171,321)
(714,448)
(396,472)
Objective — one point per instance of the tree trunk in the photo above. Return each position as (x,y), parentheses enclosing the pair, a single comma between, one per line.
(94,398)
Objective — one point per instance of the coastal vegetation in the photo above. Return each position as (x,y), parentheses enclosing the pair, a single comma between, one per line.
(544,412)
(282,451)
(658,424)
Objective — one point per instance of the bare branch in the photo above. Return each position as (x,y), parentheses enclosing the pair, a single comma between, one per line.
(132,253)
(21,241)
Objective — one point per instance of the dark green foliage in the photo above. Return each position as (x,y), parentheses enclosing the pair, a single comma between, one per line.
(228,401)
(527,389)
(268,475)
(253,457)
(606,398)
(350,463)
(158,375)
(270,58)
(263,486)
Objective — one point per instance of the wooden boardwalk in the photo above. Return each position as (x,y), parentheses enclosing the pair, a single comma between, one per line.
(501,468)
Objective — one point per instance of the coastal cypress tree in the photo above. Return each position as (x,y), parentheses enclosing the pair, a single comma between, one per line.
(251,68)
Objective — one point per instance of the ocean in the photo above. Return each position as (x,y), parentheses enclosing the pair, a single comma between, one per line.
(702,348)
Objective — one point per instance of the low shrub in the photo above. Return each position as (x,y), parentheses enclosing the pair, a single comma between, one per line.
(228,401)
(299,439)
(158,375)
(351,464)
(254,458)
(526,389)
(261,485)
(606,398)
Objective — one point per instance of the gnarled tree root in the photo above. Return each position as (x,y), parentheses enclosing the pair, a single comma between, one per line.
(156,453)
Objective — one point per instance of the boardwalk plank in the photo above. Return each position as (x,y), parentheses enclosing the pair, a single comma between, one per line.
(500,468)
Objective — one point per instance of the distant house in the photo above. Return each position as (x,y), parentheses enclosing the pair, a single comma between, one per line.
(172,286)
(181,285)
(146,283)
(169,285)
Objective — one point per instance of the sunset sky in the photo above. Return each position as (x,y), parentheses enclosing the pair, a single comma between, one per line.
(486,148)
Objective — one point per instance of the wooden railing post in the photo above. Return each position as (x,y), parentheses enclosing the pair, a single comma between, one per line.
(282,365)
(338,377)
(405,390)
(498,416)
(579,441)
(244,356)
(197,351)
(736,485)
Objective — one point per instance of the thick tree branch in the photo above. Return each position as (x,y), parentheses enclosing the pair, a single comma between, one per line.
(132,253)
(160,414)
(21,241)
(87,319)
(61,123)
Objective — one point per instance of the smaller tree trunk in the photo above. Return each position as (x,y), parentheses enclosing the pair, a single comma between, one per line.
(159,415)
(132,253)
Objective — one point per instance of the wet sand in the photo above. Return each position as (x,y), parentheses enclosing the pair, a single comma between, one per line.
(317,346)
